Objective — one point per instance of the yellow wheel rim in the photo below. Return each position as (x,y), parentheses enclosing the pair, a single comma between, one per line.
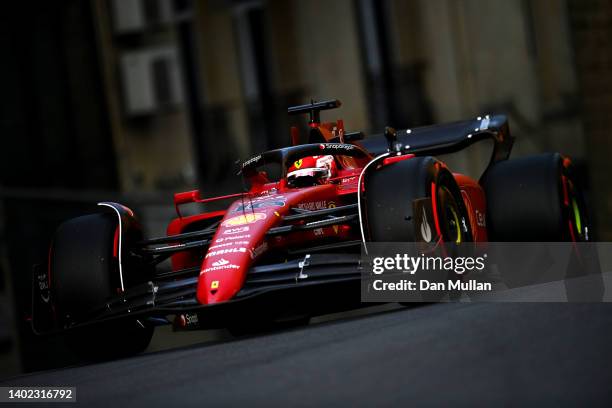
(577,219)
(456,218)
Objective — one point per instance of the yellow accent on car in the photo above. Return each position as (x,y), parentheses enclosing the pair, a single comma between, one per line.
(458,241)
(577,219)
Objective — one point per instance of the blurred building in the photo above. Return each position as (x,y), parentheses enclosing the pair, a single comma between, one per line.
(135,99)
(217,76)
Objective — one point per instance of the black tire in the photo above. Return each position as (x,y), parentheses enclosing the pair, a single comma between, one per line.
(84,273)
(534,199)
(109,341)
(391,190)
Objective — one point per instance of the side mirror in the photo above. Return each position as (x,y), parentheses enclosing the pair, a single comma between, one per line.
(186,197)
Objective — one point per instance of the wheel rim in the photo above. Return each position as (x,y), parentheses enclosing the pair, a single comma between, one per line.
(451,227)
(577,218)
(454,221)
(578,225)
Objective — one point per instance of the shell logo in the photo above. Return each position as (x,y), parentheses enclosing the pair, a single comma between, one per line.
(244,219)
(425,229)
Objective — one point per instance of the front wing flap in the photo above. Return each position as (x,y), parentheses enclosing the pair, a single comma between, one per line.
(304,278)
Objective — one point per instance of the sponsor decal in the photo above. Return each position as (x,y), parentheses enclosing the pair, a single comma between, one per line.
(256,205)
(336,146)
(226,244)
(214,284)
(232,238)
(424,232)
(298,164)
(43,287)
(191,319)
(313,205)
(252,160)
(218,268)
(232,231)
(263,195)
(226,251)
(188,320)
(221,262)
(425,228)
(244,219)
(349,180)
(259,250)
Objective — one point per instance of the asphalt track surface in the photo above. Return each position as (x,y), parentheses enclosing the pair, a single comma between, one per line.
(470,354)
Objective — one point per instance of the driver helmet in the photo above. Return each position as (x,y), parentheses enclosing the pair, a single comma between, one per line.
(312,170)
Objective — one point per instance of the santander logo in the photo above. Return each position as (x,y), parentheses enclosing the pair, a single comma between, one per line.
(220,262)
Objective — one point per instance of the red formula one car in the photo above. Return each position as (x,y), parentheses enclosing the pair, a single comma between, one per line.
(288,248)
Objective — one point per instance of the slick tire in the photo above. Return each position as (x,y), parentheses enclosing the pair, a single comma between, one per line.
(84,273)
(391,190)
(535,199)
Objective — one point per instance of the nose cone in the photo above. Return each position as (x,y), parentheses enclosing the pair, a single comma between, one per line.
(211,290)
(221,277)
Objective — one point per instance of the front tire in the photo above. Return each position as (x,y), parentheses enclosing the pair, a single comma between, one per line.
(84,274)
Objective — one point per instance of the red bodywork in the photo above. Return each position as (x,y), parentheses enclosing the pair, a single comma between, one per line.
(240,240)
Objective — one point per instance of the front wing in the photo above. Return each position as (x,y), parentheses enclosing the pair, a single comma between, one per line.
(315,284)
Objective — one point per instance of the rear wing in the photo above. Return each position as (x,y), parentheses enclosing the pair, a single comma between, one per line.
(449,138)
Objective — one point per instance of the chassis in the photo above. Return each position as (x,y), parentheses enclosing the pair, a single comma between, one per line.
(284,252)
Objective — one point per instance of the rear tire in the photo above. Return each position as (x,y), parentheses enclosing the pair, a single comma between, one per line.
(535,198)
(391,190)
(84,274)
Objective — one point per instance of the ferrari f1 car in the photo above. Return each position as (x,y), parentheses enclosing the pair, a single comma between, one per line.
(288,247)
